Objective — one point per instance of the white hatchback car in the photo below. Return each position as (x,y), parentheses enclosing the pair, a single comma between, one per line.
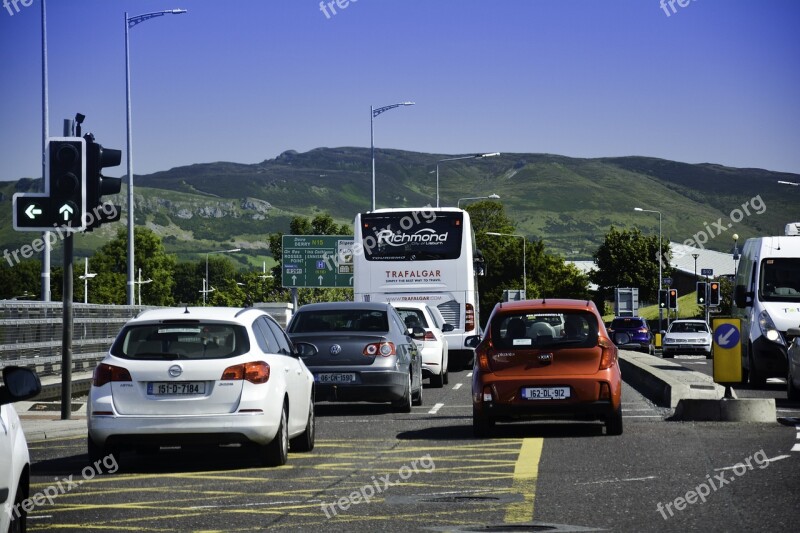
(686,336)
(433,346)
(15,462)
(203,375)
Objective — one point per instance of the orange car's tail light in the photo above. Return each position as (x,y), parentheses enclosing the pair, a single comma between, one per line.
(470,318)
(255,372)
(429,336)
(107,373)
(608,357)
(379,348)
(482,354)
(605,391)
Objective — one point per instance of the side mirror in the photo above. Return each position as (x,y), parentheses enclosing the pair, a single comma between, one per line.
(305,349)
(740,296)
(447,327)
(472,341)
(416,332)
(20,384)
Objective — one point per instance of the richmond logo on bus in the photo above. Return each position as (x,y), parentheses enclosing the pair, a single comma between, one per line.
(422,236)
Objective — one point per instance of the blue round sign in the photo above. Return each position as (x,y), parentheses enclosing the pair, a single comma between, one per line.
(726,336)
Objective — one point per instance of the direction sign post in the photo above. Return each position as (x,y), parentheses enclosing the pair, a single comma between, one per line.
(317,261)
(727,350)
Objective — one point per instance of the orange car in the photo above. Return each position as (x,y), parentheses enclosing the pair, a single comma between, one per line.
(545,359)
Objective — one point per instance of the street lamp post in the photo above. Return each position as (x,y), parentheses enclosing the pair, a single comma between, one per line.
(130,22)
(660,261)
(524,275)
(490,197)
(695,265)
(86,277)
(476,156)
(207,282)
(372,114)
(140,283)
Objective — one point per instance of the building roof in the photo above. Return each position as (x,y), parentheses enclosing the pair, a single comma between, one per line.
(683,259)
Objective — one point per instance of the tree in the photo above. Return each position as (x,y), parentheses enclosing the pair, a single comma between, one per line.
(23,280)
(629,259)
(546,275)
(110,263)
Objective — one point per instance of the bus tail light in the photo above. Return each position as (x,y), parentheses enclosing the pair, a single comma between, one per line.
(470,318)
(107,373)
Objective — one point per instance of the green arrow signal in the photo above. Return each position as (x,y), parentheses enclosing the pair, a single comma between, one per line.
(32,211)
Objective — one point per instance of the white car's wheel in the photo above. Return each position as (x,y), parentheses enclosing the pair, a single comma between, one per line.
(276,453)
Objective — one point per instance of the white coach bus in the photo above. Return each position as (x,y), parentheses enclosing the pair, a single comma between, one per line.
(421,255)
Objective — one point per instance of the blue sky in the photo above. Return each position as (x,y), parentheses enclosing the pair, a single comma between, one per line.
(244,80)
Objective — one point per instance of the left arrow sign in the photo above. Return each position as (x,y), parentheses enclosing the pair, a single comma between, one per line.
(32,211)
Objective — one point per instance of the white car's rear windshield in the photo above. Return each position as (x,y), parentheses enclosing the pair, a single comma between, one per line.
(195,340)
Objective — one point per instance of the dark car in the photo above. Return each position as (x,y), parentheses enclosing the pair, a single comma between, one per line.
(632,333)
(359,351)
(526,369)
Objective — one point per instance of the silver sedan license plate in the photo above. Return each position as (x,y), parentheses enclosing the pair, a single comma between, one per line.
(175,388)
(545,393)
(338,377)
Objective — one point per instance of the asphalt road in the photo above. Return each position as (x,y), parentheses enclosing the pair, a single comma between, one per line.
(424,471)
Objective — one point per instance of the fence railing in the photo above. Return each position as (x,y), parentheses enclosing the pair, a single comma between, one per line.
(30,332)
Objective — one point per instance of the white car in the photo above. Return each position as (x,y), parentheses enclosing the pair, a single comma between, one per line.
(202,375)
(15,462)
(433,346)
(687,337)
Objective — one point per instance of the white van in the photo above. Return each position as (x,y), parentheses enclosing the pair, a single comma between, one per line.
(767,299)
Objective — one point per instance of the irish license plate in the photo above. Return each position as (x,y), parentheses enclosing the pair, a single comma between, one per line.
(545,393)
(338,377)
(170,388)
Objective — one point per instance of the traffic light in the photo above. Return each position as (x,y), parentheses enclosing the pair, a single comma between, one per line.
(66,171)
(673,298)
(97,185)
(702,293)
(663,298)
(713,296)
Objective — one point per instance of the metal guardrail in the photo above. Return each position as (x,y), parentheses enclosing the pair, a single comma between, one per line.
(30,332)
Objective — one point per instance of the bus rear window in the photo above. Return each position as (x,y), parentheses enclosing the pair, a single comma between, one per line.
(410,236)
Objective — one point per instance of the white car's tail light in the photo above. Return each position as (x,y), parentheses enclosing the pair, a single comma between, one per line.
(429,336)
(104,373)
(255,372)
(383,348)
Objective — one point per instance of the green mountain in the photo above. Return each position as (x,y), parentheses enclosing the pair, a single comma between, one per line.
(567,202)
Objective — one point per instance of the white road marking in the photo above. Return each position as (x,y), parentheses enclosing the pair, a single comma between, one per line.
(615,480)
(457,386)
(796,448)
(435,408)
(469,375)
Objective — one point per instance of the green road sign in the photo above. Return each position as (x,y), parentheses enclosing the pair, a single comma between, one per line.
(317,261)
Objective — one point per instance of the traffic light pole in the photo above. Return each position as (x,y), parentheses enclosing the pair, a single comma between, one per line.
(66,319)
(66,331)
